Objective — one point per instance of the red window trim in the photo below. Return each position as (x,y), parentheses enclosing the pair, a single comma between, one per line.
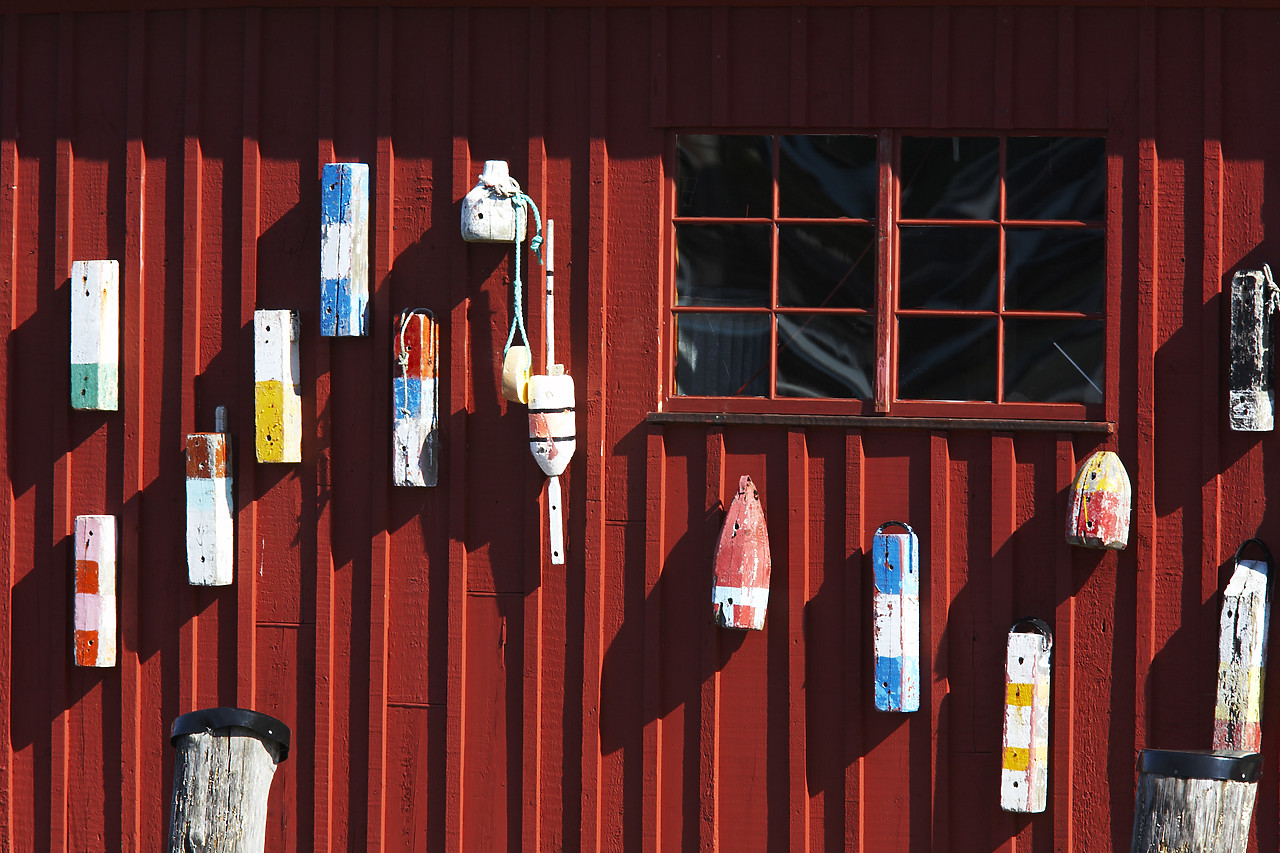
(885,404)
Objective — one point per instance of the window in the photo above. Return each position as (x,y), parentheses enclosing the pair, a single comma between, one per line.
(902,273)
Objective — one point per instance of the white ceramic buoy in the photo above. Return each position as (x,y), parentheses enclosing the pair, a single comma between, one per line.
(277,391)
(743,563)
(210,528)
(1242,653)
(1024,777)
(95,335)
(489,212)
(344,250)
(1254,299)
(415,436)
(94,639)
(895,558)
(1099,505)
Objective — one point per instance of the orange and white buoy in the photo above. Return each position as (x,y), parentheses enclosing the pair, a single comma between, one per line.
(552,421)
(741,591)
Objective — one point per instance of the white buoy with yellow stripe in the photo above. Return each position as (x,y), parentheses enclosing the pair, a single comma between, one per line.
(552,426)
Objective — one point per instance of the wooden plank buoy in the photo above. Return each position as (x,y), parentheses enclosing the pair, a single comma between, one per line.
(95,335)
(1024,776)
(743,564)
(344,250)
(895,558)
(1194,801)
(210,528)
(1098,507)
(1251,400)
(488,213)
(1242,654)
(94,639)
(226,759)
(277,389)
(415,432)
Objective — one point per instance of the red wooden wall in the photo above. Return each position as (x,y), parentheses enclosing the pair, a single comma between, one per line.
(449,689)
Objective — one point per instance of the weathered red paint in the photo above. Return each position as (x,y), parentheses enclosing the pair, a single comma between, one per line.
(740,594)
(445,693)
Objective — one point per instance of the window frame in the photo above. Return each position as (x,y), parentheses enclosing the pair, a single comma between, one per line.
(885,403)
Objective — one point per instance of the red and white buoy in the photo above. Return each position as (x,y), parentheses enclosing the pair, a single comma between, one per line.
(741,592)
(552,425)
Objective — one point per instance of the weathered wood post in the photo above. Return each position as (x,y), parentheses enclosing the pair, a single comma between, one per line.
(895,558)
(1242,654)
(222,778)
(1197,801)
(1251,401)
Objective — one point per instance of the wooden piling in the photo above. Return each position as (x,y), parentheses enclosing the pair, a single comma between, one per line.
(221,780)
(1194,801)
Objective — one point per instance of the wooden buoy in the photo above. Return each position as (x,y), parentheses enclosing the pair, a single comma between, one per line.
(1099,504)
(344,250)
(553,432)
(94,639)
(1024,776)
(1197,802)
(222,778)
(210,527)
(740,596)
(1242,654)
(516,367)
(277,391)
(415,438)
(1251,400)
(95,335)
(488,213)
(895,558)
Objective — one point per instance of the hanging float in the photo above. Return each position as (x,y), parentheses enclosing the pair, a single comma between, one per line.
(94,640)
(1099,504)
(344,250)
(1254,300)
(95,335)
(740,595)
(895,559)
(415,433)
(1242,653)
(1024,775)
(210,526)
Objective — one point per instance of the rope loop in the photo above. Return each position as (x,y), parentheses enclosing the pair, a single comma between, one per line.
(518,200)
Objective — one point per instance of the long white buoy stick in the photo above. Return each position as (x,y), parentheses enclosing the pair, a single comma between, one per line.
(555,517)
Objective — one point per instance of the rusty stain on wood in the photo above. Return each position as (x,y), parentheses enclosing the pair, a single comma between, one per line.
(740,596)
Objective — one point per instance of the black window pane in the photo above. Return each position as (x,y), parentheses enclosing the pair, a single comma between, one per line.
(723,176)
(947,358)
(826,266)
(722,355)
(825,355)
(723,265)
(948,267)
(1056,178)
(827,176)
(950,177)
(1055,269)
(1054,361)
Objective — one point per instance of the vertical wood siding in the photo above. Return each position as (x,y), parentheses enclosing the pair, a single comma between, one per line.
(449,689)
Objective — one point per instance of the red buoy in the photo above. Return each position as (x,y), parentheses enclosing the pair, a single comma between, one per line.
(741,592)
